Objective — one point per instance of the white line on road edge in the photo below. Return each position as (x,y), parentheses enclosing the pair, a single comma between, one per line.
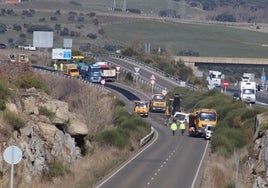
(199,167)
(128,162)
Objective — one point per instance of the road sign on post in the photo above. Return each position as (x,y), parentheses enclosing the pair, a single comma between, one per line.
(117,72)
(137,69)
(103,82)
(12,155)
(152,78)
(225,84)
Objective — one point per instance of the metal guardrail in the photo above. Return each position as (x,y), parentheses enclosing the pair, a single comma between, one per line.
(59,73)
(147,138)
(150,67)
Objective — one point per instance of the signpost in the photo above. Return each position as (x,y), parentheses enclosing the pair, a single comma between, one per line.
(137,69)
(63,54)
(117,72)
(152,78)
(12,155)
(225,84)
(103,82)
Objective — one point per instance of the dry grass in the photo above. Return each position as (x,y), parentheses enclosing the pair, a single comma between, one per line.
(218,172)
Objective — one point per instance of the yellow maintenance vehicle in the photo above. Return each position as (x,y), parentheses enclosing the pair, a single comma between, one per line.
(199,119)
(22,60)
(141,108)
(158,103)
(71,70)
(173,105)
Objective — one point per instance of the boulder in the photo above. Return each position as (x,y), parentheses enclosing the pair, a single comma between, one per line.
(76,126)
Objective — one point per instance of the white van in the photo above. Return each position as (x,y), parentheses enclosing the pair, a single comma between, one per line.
(181,117)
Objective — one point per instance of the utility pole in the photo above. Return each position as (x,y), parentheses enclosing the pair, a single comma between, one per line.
(170,9)
(114,5)
(124,6)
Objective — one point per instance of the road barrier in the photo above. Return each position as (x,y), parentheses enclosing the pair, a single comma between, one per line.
(147,66)
(147,138)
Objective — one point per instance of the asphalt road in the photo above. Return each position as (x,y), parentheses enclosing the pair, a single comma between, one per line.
(167,161)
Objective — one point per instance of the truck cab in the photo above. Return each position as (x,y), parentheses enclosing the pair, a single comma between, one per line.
(158,103)
(141,108)
(215,78)
(248,92)
(70,70)
(91,73)
(200,119)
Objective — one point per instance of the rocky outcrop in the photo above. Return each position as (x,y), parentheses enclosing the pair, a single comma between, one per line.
(49,133)
(56,110)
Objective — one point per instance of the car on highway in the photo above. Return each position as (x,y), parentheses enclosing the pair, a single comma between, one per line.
(3,46)
(236,96)
(208,132)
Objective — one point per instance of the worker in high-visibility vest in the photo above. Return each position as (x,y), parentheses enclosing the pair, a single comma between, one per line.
(61,66)
(173,127)
(182,127)
(55,66)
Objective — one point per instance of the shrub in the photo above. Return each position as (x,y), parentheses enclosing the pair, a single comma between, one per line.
(226,139)
(92,36)
(2,104)
(29,81)
(120,115)
(17,27)
(53,18)
(91,14)
(129,77)
(119,103)
(55,168)
(101,31)
(46,112)
(14,120)
(114,137)
(42,19)
(4,91)
(129,52)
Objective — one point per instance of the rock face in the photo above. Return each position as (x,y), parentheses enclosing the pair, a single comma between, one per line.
(49,132)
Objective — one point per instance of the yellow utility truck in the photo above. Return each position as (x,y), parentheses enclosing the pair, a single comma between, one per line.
(158,103)
(200,119)
(141,108)
(71,70)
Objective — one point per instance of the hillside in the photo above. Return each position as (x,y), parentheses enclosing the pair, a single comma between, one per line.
(93,26)
(61,134)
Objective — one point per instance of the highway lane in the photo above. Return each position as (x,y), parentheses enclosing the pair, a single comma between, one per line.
(144,72)
(170,161)
(261,97)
